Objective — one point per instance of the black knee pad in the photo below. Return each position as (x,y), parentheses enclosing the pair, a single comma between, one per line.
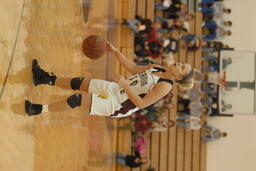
(76,83)
(74,100)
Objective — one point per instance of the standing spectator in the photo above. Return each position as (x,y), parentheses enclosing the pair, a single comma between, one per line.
(217,10)
(209,2)
(211,134)
(217,23)
(217,33)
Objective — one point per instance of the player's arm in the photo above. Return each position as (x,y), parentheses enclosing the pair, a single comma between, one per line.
(129,65)
(159,91)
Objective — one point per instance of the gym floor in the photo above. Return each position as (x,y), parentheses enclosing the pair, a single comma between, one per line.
(52,32)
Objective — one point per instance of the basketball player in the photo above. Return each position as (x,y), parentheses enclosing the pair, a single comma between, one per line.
(120,98)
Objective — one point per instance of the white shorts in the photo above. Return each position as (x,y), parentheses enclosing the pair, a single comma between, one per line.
(105,97)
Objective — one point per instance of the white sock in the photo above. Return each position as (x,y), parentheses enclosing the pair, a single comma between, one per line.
(45,109)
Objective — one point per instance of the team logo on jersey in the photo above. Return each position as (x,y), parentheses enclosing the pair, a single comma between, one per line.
(103,96)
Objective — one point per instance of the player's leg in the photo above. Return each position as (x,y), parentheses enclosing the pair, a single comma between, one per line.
(77,83)
(83,100)
(42,77)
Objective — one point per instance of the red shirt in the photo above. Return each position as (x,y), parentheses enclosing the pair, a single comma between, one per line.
(142,123)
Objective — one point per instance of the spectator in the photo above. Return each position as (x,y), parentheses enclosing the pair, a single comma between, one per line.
(217,10)
(190,122)
(192,42)
(140,144)
(139,25)
(192,107)
(162,125)
(209,2)
(225,107)
(171,45)
(212,134)
(215,46)
(217,33)
(132,161)
(141,124)
(214,24)
(175,11)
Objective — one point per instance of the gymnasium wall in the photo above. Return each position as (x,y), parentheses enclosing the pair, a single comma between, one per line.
(237,151)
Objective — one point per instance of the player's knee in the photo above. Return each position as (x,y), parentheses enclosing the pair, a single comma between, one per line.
(74,100)
(76,83)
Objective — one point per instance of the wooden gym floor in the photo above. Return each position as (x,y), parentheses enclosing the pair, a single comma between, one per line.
(52,32)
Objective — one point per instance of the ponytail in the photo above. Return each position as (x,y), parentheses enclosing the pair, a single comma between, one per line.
(187,81)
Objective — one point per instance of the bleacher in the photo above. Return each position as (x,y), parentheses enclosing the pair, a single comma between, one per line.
(176,149)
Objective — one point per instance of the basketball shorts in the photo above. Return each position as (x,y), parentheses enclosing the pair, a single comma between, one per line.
(105,97)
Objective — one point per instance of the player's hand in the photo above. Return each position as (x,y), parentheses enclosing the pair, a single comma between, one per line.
(110,46)
(120,81)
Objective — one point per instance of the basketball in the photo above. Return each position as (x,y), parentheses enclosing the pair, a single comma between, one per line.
(94,46)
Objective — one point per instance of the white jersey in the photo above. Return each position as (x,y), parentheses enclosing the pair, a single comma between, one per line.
(109,99)
(141,83)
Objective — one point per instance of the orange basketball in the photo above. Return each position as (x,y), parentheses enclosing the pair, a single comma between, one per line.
(94,46)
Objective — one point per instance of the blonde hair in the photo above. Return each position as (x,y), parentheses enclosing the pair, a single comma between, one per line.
(187,81)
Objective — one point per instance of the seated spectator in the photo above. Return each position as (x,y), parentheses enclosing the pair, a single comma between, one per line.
(140,144)
(170,25)
(207,101)
(198,76)
(142,124)
(132,161)
(163,5)
(139,25)
(212,134)
(192,94)
(217,78)
(152,49)
(192,42)
(172,45)
(212,66)
(214,107)
(209,88)
(190,122)
(149,46)
(212,46)
(175,11)
(162,125)
(188,107)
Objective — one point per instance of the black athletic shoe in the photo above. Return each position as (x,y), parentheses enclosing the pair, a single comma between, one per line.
(40,76)
(33,109)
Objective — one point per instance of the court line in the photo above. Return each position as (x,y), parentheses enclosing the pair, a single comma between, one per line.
(13,50)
